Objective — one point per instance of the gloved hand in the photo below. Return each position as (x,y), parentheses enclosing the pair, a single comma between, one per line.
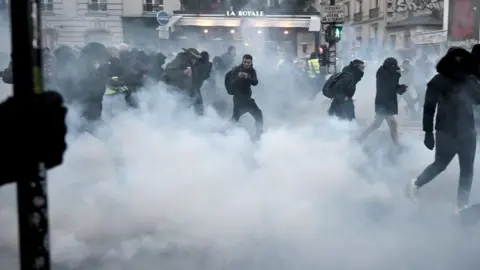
(33,131)
(429,140)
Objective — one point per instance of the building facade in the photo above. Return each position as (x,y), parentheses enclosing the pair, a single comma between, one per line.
(76,22)
(223,22)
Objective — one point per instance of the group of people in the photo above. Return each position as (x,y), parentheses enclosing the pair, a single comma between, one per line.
(98,75)
(452,95)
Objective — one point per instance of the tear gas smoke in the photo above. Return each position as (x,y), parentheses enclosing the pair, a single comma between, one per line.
(164,189)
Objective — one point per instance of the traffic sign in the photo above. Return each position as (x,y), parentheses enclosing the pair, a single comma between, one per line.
(163,18)
(333,14)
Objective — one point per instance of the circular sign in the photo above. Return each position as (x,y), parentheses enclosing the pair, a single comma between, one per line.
(163,18)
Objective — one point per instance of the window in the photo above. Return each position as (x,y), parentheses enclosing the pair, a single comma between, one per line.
(359,4)
(46,5)
(97,5)
(152,5)
(374,30)
(393,41)
(347,9)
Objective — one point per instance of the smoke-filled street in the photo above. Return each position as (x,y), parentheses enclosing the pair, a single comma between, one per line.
(233,136)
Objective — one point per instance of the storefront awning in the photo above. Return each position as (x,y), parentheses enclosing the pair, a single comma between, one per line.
(265,21)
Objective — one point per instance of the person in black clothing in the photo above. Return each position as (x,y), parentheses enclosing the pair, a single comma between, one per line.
(91,82)
(241,78)
(202,70)
(386,103)
(342,104)
(452,92)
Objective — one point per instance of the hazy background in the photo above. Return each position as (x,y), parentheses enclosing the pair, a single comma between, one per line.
(169,190)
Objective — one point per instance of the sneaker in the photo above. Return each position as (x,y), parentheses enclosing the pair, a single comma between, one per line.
(412,190)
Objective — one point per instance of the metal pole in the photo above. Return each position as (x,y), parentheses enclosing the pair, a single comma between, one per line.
(332,48)
(31,178)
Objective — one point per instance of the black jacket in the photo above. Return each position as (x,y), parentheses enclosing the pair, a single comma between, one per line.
(242,87)
(388,76)
(453,92)
(342,104)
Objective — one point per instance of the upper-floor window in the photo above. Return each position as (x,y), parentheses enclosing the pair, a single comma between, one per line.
(152,5)
(393,41)
(374,30)
(46,5)
(347,9)
(97,5)
(358,6)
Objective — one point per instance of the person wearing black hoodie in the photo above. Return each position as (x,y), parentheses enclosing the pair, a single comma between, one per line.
(452,92)
(386,102)
(239,82)
(342,104)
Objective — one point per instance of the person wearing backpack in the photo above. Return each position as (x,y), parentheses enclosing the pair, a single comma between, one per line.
(238,83)
(341,87)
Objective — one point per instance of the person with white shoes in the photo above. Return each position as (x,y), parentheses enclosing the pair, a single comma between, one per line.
(453,92)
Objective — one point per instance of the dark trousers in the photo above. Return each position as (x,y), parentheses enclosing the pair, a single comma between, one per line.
(197,102)
(446,147)
(248,105)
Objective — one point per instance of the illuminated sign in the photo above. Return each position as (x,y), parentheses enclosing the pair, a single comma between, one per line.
(245,14)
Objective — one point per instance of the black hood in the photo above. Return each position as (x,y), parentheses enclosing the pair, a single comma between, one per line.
(353,69)
(457,70)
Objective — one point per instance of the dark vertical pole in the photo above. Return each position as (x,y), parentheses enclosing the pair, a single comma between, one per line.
(31,182)
(332,49)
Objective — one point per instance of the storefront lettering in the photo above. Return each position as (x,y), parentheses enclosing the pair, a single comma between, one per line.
(245,13)
(416,5)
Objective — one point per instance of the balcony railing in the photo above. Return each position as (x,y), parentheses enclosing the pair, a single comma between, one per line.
(48,7)
(373,13)
(97,7)
(151,7)
(357,17)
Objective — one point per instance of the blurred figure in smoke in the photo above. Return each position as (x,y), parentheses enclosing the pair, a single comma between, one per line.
(238,82)
(91,81)
(454,91)
(313,72)
(386,102)
(203,69)
(407,79)
(423,68)
(156,71)
(343,90)
(184,74)
(66,72)
(228,59)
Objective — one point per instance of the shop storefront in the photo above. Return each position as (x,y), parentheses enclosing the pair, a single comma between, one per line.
(253,29)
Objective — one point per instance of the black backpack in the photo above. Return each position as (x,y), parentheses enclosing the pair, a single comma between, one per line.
(228,82)
(329,90)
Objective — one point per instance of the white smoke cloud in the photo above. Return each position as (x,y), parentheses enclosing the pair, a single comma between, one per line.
(164,189)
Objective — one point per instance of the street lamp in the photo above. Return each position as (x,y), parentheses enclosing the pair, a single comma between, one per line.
(232,31)
(205,31)
(285,32)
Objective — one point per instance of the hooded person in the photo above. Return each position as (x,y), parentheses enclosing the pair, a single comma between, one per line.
(91,81)
(386,102)
(452,94)
(344,89)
